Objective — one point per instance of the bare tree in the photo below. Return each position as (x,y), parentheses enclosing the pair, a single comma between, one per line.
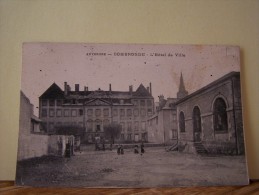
(112,131)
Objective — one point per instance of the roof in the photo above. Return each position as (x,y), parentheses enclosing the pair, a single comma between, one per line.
(54,91)
(142,91)
(220,80)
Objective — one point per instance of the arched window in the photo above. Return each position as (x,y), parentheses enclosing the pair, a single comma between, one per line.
(182,122)
(196,119)
(220,115)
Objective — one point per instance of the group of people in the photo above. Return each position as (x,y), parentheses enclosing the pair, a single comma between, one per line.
(136,150)
(120,149)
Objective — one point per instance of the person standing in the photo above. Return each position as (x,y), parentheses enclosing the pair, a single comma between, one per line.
(142,148)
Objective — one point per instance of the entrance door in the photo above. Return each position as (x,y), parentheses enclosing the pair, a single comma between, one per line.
(196,117)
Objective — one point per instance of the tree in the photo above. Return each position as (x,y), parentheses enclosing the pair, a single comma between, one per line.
(69,130)
(112,131)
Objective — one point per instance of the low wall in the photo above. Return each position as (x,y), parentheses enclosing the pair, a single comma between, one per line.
(37,145)
(33,145)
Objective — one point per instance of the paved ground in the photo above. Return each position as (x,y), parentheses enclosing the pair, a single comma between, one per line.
(156,168)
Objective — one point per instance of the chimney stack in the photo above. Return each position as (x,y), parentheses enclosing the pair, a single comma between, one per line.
(130,89)
(110,87)
(77,87)
(150,88)
(65,88)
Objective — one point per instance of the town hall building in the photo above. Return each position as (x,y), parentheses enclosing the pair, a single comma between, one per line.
(92,110)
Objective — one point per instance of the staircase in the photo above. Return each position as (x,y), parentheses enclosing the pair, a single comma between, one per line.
(200,149)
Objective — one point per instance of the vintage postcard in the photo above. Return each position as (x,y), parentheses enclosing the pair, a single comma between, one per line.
(130,115)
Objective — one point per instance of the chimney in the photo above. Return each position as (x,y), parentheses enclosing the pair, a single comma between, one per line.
(110,87)
(86,88)
(65,88)
(150,88)
(77,87)
(130,89)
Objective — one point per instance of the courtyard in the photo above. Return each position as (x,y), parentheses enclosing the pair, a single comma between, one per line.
(155,168)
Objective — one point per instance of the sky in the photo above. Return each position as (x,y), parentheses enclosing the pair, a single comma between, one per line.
(98,65)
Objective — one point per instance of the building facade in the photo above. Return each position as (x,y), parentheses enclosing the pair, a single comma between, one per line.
(92,110)
(210,119)
(162,126)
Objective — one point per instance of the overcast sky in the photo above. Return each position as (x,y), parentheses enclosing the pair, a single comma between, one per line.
(46,63)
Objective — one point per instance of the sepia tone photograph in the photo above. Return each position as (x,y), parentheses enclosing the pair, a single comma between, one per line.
(131,116)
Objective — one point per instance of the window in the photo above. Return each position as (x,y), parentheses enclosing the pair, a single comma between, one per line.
(115,112)
(149,103)
(136,112)
(122,136)
(143,125)
(135,102)
(122,112)
(136,124)
(149,111)
(129,112)
(66,112)
(142,103)
(143,112)
(44,113)
(90,112)
(122,124)
(106,112)
(121,101)
(59,113)
(89,125)
(98,112)
(220,115)
(81,112)
(51,112)
(129,126)
(106,122)
(59,102)
(51,127)
(129,137)
(182,122)
(73,112)
(51,102)
(44,102)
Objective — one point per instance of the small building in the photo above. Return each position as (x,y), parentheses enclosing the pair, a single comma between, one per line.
(210,119)
(162,126)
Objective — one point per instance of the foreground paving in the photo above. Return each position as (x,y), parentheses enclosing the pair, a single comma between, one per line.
(156,168)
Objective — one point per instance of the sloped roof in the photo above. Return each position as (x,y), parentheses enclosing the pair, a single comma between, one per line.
(141,91)
(53,92)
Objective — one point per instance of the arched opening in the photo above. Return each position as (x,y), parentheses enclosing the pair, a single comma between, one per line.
(182,122)
(220,119)
(196,117)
